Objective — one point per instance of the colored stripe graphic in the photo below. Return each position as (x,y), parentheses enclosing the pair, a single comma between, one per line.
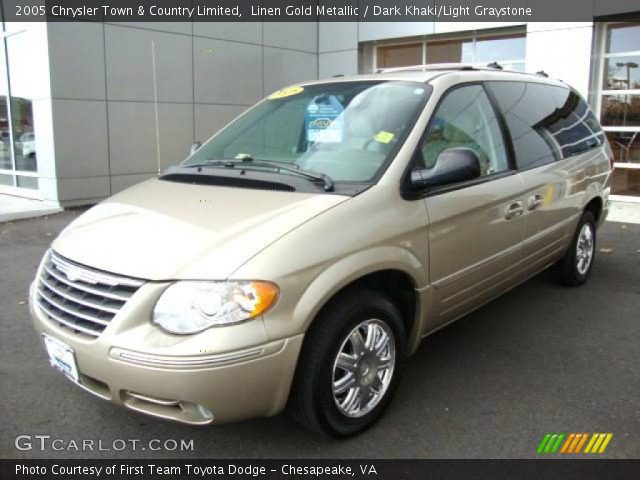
(555,447)
(594,437)
(568,442)
(598,442)
(581,443)
(573,443)
(543,443)
(551,442)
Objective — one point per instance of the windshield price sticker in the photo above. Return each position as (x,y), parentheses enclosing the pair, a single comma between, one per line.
(323,120)
(384,137)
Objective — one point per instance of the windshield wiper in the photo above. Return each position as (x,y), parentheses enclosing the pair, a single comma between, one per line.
(318,177)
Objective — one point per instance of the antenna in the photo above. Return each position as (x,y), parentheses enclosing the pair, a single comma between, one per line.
(155,101)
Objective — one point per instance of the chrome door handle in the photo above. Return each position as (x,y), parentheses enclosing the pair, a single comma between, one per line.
(513,210)
(534,201)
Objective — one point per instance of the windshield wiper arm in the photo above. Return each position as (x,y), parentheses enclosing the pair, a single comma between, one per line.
(322,177)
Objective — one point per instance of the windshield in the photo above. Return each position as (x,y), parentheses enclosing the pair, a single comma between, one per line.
(346,130)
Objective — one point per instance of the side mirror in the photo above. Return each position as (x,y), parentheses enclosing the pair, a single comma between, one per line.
(195,147)
(452,166)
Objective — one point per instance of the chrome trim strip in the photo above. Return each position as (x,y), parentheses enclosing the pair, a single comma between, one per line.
(184,362)
(71,312)
(468,299)
(77,300)
(557,226)
(67,323)
(477,266)
(157,401)
(160,411)
(89,388)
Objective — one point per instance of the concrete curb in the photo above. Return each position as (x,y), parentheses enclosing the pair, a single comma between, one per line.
(9,217)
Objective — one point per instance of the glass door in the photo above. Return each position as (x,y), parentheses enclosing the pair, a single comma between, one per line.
(18,156)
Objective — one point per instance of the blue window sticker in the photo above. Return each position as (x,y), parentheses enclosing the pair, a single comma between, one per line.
(323,119)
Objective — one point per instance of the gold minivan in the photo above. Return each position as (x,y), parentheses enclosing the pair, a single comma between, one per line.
(298,257)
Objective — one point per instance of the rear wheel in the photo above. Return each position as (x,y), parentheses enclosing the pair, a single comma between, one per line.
(350,364)
(575,266)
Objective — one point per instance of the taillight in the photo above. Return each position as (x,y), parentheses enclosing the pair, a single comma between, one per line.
(612,162)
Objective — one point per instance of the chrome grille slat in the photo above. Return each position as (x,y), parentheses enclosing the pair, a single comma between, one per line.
(69,324)
(75,299)
(84,287)
(82,299)
(75,313)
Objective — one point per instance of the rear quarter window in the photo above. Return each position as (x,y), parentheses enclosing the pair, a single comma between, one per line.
(547,123)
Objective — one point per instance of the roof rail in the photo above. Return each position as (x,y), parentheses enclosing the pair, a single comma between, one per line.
(493,66)
(428,67)
(440,66)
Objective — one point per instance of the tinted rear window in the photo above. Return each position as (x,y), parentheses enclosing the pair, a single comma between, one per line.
(547,123)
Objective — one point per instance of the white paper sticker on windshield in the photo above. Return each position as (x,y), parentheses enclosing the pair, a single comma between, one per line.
(323,120)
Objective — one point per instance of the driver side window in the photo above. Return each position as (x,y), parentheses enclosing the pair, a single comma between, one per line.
(466,119)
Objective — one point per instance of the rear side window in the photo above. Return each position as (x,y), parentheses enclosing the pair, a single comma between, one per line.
(547,123)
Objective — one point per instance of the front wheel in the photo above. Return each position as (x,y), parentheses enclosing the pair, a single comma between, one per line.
(350,364)
(575,266)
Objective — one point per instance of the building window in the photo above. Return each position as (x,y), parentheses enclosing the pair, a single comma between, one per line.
(450,51)
(399,55)
(618,102)
(509,51)
(506,49)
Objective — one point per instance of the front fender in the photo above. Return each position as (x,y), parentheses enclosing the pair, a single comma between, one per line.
(347,270)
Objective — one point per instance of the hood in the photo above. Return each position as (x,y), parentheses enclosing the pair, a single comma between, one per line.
(161,230)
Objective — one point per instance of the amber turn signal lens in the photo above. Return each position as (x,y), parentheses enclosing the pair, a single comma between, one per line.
(265,294)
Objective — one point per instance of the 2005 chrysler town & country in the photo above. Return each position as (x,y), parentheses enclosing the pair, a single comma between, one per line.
(298,257)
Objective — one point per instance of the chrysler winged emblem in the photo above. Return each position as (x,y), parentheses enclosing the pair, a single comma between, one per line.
(72,274)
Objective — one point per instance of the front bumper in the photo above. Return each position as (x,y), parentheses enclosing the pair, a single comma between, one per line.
(192,379)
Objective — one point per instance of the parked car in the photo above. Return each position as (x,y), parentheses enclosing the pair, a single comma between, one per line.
(27,144)
(298,257)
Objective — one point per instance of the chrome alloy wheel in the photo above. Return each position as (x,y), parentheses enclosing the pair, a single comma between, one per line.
(584,248)
(363,368)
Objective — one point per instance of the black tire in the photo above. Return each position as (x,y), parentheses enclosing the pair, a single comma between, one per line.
(311,402)
(566,270)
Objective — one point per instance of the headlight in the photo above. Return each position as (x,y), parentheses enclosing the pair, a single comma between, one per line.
(191,307)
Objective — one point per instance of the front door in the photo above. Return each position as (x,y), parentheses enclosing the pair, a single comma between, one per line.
(477,227)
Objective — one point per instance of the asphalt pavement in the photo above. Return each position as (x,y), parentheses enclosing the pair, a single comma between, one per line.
(542,358)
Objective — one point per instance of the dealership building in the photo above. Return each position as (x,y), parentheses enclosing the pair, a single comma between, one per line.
(88,109)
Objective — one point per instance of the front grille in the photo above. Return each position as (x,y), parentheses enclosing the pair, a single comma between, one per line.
(80,298)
